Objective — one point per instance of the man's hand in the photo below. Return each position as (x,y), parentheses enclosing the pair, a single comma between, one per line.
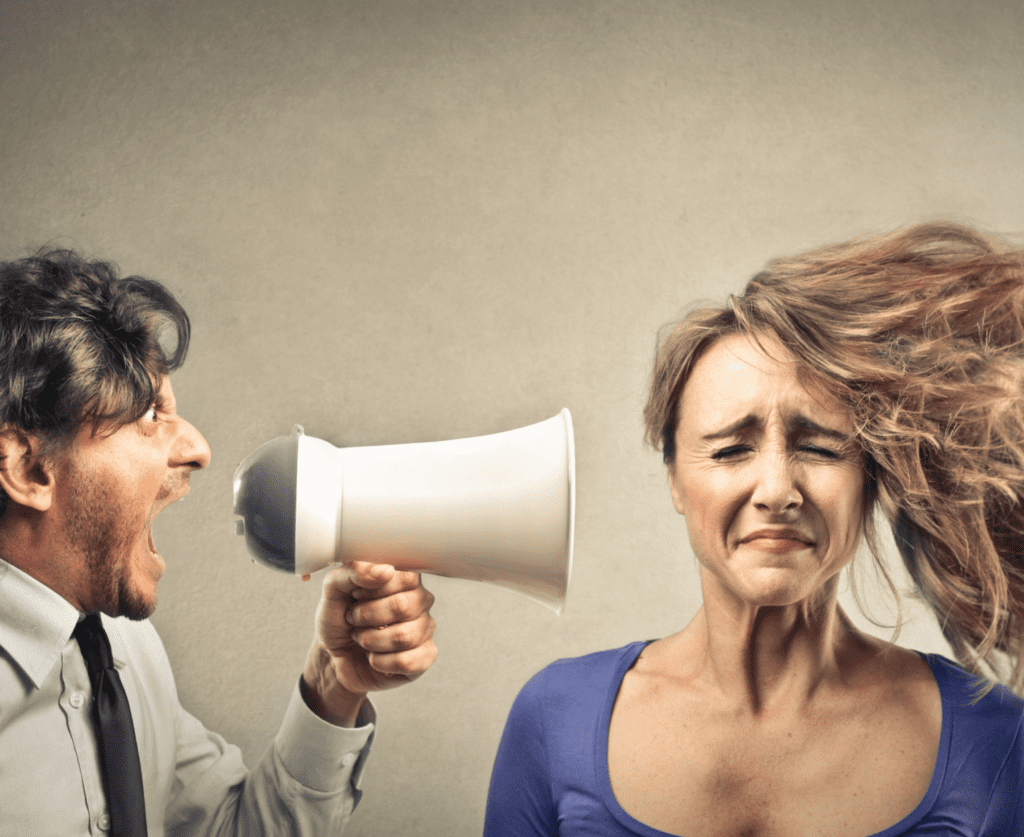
(373,631)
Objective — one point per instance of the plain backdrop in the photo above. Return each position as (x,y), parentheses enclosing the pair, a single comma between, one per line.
(417,220)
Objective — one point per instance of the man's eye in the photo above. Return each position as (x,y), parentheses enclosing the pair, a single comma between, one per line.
(150,415)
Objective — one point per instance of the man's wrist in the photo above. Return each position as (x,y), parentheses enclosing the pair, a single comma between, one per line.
(338,706)
(318,754)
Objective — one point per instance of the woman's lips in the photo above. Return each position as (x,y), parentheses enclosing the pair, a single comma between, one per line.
(778,540)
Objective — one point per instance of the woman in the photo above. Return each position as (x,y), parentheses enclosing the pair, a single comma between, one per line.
(884,372)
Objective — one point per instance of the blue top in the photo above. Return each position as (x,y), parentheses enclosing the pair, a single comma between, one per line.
(551,772)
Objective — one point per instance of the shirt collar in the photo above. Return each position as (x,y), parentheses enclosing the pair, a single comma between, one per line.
(35,622)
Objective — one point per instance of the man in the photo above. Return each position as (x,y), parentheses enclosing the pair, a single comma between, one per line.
(92,449)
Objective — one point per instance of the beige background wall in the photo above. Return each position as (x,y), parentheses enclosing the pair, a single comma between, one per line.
(404,221)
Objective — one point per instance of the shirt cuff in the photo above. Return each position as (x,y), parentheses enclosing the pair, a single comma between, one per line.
(318,754)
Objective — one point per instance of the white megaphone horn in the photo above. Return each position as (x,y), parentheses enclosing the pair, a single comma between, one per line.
(495,508)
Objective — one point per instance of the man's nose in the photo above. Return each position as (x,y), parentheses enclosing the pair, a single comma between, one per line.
(192,450)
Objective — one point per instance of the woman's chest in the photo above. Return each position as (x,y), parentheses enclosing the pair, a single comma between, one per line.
(700,776)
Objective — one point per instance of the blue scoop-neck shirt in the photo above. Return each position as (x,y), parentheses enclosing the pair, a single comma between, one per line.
(551,772)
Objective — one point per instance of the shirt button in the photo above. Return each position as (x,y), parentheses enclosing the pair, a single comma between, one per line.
(76,700)
(348,760)
(103,822)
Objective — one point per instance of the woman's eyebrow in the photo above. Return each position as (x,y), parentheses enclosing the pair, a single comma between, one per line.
(744,423)
(798,423)
(806,425)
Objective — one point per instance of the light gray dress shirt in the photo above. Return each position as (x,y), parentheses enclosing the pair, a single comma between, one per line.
(196,783)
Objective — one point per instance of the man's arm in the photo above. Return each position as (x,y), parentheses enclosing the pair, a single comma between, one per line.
(306,783)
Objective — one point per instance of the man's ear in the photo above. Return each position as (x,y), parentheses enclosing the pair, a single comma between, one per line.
(25,475)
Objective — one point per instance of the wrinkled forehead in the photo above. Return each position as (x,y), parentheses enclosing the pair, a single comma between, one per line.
(740,377)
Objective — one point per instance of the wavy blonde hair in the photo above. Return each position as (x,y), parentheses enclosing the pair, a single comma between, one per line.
(920,333)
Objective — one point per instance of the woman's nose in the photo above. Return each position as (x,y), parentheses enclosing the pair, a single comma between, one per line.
(776,490)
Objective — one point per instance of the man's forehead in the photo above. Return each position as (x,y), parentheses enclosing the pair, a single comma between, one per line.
(163,389)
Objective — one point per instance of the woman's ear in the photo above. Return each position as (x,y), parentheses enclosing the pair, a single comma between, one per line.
(26,477)
(677,492)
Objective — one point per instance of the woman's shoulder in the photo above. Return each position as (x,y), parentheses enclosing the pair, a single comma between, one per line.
(572,676)
(561,712)
(968,691)
(983,738)
(977,705)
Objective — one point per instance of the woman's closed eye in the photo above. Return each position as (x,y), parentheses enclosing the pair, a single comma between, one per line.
(731,452)
(818,450)
(734,451)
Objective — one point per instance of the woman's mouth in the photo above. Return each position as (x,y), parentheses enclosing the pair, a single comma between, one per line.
(778,540)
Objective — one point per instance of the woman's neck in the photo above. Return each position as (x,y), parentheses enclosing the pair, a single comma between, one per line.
(768,660)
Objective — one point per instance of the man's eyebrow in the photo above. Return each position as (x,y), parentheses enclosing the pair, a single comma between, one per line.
(162,401)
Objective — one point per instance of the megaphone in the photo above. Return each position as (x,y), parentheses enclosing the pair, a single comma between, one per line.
(496,508)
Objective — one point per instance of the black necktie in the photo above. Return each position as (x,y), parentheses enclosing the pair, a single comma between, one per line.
(119,754)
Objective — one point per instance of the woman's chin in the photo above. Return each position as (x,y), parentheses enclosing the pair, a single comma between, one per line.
(775,587)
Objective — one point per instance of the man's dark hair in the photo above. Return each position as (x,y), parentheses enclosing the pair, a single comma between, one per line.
(80,344)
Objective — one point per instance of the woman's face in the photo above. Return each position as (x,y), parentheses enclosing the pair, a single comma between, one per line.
(770,482)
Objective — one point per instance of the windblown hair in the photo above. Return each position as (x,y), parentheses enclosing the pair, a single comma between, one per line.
(81,345)
(920,333)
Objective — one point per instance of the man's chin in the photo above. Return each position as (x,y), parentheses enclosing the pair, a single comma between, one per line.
(137,596)
(133,603)
(137,609)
